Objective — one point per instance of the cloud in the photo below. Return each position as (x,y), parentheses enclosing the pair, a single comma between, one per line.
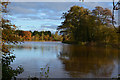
(36,10)
(42,14)
(47,10)
(49,26)
(19,10)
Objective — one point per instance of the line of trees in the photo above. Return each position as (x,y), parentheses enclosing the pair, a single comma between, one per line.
(84,26)
(38,36)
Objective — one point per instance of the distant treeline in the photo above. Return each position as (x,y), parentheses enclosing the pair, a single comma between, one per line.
(38,36)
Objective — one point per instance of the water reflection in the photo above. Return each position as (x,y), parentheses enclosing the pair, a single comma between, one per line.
(66,61)
(89,61)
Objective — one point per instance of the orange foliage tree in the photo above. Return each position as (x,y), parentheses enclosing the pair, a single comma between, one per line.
(27,35)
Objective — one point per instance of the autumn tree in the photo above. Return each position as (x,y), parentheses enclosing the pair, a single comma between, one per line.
(103,16)
(76,23)
(83,25)
(104,29)
(27,35)
(8,37)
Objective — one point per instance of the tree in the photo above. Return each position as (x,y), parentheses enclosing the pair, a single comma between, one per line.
(82,25)
(34,33)
(76,23)
(37,37)
(103,16)
(8,37)
(27,35)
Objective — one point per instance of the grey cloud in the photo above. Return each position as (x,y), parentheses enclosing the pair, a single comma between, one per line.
(16,10)
(54,6)
(49,26)
(52,10)
(33,17)
(19,6)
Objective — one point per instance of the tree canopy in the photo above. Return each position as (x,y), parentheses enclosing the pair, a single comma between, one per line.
(82,25)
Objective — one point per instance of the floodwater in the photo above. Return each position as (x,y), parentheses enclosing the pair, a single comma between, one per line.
(65,60)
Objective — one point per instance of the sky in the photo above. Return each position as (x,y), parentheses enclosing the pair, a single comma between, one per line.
(60,0)
(44,15)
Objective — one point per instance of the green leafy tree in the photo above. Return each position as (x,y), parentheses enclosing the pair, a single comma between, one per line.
(103,16)
(82,25)
(76,23)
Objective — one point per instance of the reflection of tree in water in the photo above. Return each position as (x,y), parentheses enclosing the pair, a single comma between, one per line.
(88,61)
(41,47)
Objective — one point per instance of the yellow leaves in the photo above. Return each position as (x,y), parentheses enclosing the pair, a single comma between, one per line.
(5,48)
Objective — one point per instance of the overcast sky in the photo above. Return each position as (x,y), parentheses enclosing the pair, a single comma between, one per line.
(44,15)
